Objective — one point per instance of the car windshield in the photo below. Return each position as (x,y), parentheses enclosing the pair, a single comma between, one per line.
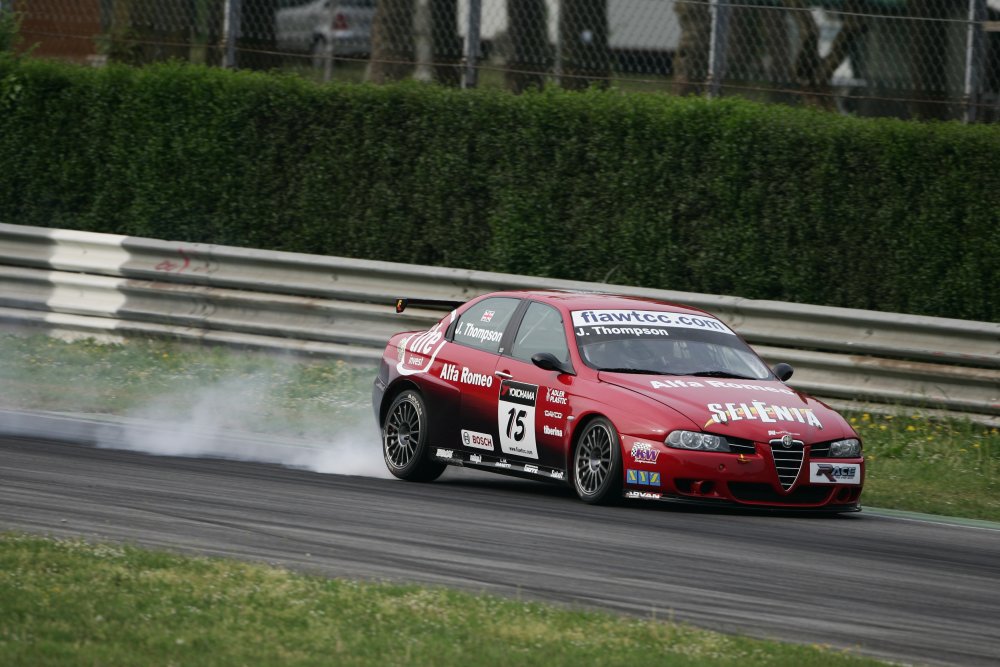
(663,343)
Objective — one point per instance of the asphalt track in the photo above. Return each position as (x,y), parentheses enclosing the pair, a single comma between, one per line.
(910,591)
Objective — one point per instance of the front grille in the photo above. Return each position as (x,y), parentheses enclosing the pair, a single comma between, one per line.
(742,446)
(787,462)
(820,450)
(755,492)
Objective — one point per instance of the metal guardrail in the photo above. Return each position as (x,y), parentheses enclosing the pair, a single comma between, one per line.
(117,285)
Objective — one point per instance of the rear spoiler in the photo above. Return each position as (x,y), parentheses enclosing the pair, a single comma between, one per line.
(434,304)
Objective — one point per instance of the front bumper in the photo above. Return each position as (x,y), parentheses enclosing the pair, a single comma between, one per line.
(746,479)
(722,503)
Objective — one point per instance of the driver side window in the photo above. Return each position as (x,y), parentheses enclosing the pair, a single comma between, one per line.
(541,330)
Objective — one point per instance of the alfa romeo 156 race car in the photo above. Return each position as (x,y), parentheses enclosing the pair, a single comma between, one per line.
(615,396)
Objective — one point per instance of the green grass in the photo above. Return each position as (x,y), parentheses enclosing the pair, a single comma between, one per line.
(74,603)
(917,464)
(945,467)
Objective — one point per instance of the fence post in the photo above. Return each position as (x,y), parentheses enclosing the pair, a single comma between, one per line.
(230,31)
(717,45)
(973,59)
(423,41)
(471,77)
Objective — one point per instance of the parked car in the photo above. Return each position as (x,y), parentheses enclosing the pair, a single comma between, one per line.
(615,396)
(325,27)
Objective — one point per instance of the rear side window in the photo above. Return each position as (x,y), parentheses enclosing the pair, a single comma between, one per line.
(482,325)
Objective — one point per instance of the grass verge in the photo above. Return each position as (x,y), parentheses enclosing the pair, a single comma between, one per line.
(947,467)
(914,463)
(74,603)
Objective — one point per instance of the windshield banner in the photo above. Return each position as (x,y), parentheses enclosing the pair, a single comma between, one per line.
(640,323)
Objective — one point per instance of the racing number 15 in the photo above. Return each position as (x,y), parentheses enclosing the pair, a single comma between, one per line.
(515,416)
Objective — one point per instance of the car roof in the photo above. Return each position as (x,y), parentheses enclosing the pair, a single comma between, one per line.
(571,300)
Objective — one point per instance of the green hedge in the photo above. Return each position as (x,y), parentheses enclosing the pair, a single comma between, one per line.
(725,197)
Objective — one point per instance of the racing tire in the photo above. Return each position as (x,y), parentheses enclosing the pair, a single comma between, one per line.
(597,463)
(404,440)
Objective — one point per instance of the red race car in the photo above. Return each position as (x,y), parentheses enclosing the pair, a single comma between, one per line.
(615,395)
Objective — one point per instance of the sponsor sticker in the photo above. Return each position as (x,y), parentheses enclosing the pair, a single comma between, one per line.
(643,452)
(477,440)
(502,463)
(557,474)
(445,454)
(643,495)
(640,323)
(553,414)
(475,458)
(451,373)
(516,418)
(642,477)
(532,469)
(426,344)
(555,396)
(724,413)
(551,430)
(676,384)
(834,473)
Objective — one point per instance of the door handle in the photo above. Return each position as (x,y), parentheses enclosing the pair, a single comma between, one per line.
(503,374)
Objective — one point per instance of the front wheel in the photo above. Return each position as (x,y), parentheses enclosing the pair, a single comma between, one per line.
(597,463)
(404,440)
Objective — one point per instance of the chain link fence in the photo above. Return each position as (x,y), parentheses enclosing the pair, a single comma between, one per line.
(905,58)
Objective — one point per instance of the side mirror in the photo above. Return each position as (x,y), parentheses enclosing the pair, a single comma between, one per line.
(548,362)
(783,371)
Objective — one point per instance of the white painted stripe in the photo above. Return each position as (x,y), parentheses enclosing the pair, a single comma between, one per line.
(77,251)
(81,293)
(85,294)
(920,517)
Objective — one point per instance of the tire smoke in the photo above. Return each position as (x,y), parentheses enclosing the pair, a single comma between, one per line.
(236,419)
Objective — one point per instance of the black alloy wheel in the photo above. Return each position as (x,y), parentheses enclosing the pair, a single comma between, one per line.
(404,440)
(597,463)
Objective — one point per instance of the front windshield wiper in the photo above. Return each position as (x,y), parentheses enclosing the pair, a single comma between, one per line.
(721,374)
(638,371)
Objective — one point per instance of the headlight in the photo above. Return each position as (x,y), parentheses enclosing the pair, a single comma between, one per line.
(843,449)
(701,441)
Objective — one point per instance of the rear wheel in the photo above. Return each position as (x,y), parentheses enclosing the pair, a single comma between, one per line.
(404,440)
(597,463)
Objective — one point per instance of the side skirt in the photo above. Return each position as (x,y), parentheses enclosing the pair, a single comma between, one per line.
(501,465)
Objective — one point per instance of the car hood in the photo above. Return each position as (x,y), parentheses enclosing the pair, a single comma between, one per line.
(751,409)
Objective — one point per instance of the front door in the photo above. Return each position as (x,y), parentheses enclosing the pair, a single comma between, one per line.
(533,406)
